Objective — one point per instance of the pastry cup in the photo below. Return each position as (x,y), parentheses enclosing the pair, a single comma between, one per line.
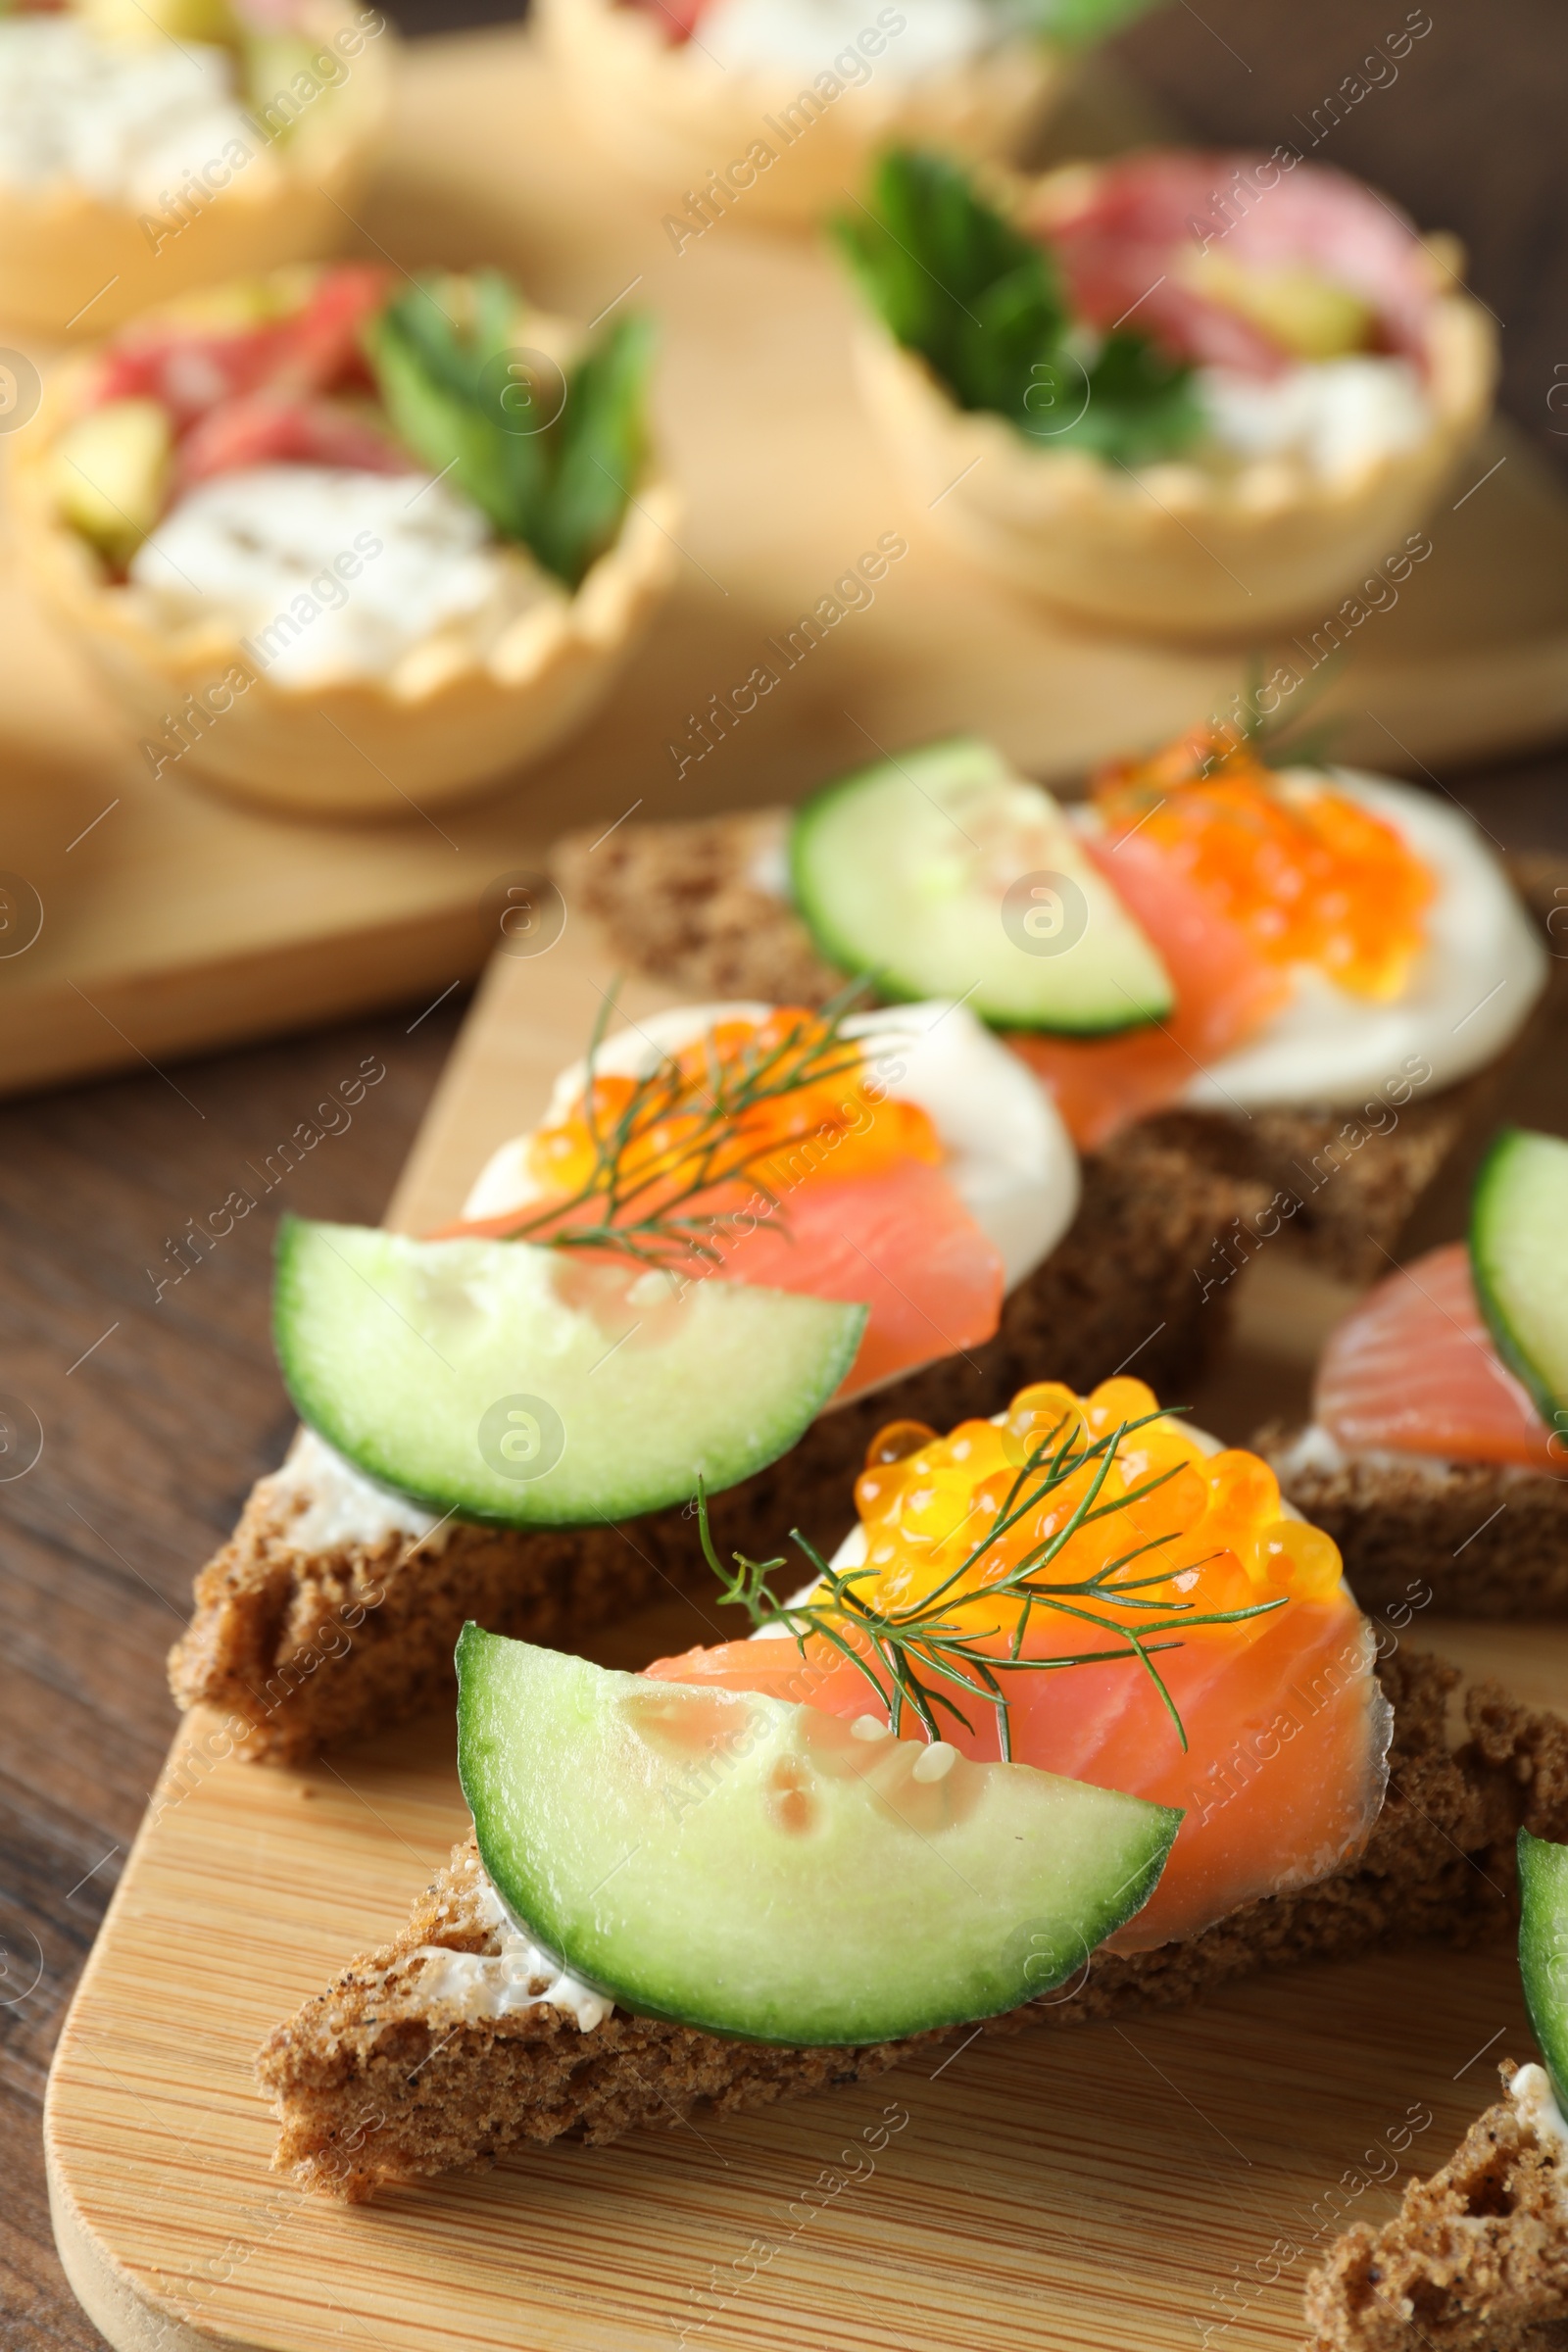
(1173,548)
(447,719)
(674,118)
(72,261)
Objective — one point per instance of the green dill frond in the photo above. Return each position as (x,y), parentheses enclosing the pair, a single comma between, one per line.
(654,1213)
(913,1658)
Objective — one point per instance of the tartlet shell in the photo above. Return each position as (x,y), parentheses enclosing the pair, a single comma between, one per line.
(73,262)
(439,727)
(1169,549)
(668,114)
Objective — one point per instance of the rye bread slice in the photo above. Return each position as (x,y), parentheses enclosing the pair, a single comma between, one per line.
(1476,2259)
(1473,1538)
(700,903)
(386,2077)
(300,1642)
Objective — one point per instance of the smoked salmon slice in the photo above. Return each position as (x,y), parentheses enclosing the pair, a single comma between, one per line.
(1286,1727)
(1225,992)
(903,1244)
(831,1186)
(1413,1368)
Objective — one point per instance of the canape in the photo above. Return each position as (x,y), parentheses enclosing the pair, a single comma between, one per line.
(1438,1449)
(1477,2257)
(1181,394)
(1301,980)
(341,544)
(768,108)
(148,149)
(750,1239)
(604,1952)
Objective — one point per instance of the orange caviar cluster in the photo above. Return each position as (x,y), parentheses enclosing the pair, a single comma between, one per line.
(1216,1526)
(1309,876)
(847,1113)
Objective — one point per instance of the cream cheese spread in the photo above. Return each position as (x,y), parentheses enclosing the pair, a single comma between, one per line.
(342,1507)
(126,121)
(490,1984)
(330,572)
(1533,2095)
(1318,1448)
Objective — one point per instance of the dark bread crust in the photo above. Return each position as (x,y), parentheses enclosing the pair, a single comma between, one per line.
(296,1645)
(1476,2260)
(1338,1192)
(1476,1540)
(683,902)
(445,2093)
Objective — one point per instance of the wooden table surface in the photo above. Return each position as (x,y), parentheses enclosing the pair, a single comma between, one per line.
(158,1412)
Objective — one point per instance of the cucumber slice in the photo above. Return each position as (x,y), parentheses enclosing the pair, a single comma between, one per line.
(944,874)
(733,1862)
(1543,1951)
(1519,1256)
(512,1384)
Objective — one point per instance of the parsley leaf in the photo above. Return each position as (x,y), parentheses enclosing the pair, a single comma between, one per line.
(560,490)
(955,281)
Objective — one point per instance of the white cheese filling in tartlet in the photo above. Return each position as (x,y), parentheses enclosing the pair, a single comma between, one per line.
(126,121)
(329,573)
(805,36)
(1332,416)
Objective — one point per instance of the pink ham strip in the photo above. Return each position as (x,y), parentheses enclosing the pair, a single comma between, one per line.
(1122,240)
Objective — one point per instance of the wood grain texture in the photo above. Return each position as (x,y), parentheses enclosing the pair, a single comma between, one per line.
(150,1446)
(1098,2193)
(174,919)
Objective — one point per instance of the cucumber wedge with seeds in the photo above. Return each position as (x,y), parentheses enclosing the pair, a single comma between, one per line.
(942,873)
(512,1383)
(739,1864)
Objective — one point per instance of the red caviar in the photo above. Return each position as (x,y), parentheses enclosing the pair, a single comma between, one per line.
(847,1115)
(1217,1526)
(1306,874)
(1282,1771)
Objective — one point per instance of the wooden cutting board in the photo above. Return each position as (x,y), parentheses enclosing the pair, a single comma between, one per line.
(1121,2188)
(173,920)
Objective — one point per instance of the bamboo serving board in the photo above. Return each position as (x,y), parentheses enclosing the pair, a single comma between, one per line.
(173,920)
(1113,2190)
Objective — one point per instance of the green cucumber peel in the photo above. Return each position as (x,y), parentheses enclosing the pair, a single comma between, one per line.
(1519,1259)
(751,1867)
(886,872)
(506,1383)
(1543,1951)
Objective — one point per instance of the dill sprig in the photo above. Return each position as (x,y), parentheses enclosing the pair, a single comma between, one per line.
(641,1196)
(1274,737)
(923,1647)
